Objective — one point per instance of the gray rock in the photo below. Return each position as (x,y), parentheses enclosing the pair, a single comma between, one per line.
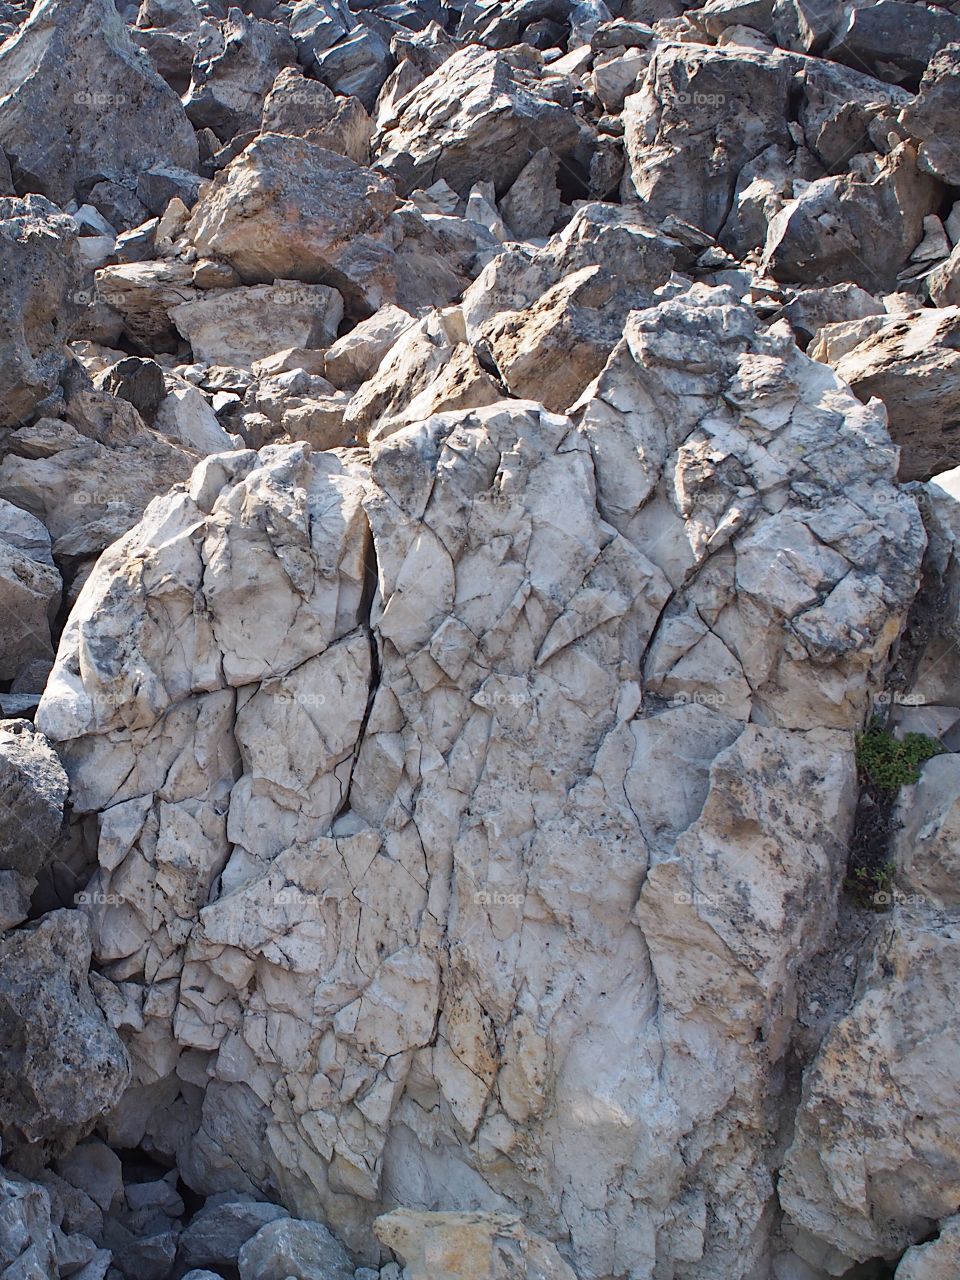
(289,1248)
(138,381)
(62,1065)
(894,40)
(317,25)
(306,108)
(357,65)
(27,1244)
(79,103)
(216,1235)
(33,790)
(932,118)
(233,72)
(94,1169)
(162,183)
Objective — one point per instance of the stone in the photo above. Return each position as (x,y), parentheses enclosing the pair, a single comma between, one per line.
(810,309)
(63,1065)
(144,293)
(94,1169)
(895,42)
(473,1246)
(924,844)
(27,1246)
(944,281)
(215,1236)
(30,587)
(186,419)
(305,108)
(288,1247)
(937,1260)
(40,272)
(909,364)
(500,119)
(136,380)
(531,205)
(317,25)
(356,356)
(161,183)
(33,791)
(235,67)
(357,65)
(80,104)
(238,326)
(287,209)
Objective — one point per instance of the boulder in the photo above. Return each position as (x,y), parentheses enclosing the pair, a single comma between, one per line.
(80,103)
(938,1260)
(479,117)
(33,791)
(912,365)
(186,419)
(924,846)
(356,356)
(138,381)
(471,1245)
(357,65)
(235,67)
(531,206)
(235,327)
(288,209)
(30,588)
(893,41)
(144,294)
(40,274)
(63,1066)
(289,1248)
(215,1236)
(931,118)
(305,108)
(27,1242)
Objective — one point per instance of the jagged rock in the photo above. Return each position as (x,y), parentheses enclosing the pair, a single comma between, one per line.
(944,281)
(27,1247)
(237,326)
(356,356)
(161,183)
(317,25)
(844,228)
(63,1066)
(912,365)
(931,117)
(893,41)
(95,1170)
(700,574)
(532,204)
(938,1260)
(289,1248)
(287,209)
(307,109)
(138,381)
(811,309)
(186,419)
(925,844)
(80,104)
(216,1235)
(235,67)
(144,294)
(30,588)
(874,1159)
(357,65)
(40,274)
(33,790)
(469,1244)
(479,117)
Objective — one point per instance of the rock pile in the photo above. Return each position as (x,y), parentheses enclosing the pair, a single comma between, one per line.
(469,472)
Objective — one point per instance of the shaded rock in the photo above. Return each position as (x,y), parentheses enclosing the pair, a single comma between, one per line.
(531,205)
(95,1170)
(63,1065)
(288,209)
(138,381)
(40,274)
(235,67)
(33,791)
(29,591)
(288,1247)
(80,104)
(186,418)
(216,1235)
(810,309)
(944,281)
(237,326)
(27,1247)
(355,357)
(893,41)
(913,366)
(357,65)
(317,25)
(306,108)
(479,117)
(938,1260)
(162,183)
(144,294)
(932,116)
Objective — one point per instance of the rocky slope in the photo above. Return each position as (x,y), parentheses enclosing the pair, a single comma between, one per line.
(469,476)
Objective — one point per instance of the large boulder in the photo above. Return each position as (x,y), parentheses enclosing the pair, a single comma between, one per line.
(287,1249)
(386,746)
(39,271)
(33,791)
(931,117)
(234,70)
(479,117)
(63,1065)
(235,327)
(306,108)
(469,1245)
(894,40)
(29,591)
(80,103)
(288,209)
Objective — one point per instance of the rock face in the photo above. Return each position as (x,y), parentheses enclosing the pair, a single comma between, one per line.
(78,103)
(334,852)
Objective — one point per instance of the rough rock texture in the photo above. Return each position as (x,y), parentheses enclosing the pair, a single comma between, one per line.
(33,789)
(29,591)
(472,1245)
(234,327)
(234,70)
(337,848)
(78,103)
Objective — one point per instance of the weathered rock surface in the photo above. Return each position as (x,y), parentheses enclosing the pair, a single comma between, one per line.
(29,591)
(33,790)
(234,70)
(469,1245)
(78,103)
(235,327)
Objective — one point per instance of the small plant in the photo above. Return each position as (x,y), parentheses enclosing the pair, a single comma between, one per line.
(871,886)
(889,763)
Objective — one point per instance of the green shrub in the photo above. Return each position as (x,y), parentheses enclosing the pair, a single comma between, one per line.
(889,763)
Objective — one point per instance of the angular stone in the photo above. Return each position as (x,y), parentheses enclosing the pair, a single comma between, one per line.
(355,357)
(238,326)
(305,108)
(291,1248)
(894,41)
(80,103)
(30,588)
(235,67)
(216,1235)
(33,791)
(473,1246)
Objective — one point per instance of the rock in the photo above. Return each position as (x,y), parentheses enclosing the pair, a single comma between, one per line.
(810,309)
(33,791)
(469,1245)
(931,117)
(235,67)
(287,1247)
(531,206)
(186,419)
(478,118)
(94,1169)
(306,108)
(924,844)
(356,356)
(910,365)
(30,587)
(216,1235)
(144,294)
(161,183)
(894,42)
(39,270)
(937,1260)
(27,1247)
(944,282)
(68,79)
(63,1066)
(138,381)
(287,209)
(238,326)
(357,65)
(842,228)
(854,1178)
(317,25)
